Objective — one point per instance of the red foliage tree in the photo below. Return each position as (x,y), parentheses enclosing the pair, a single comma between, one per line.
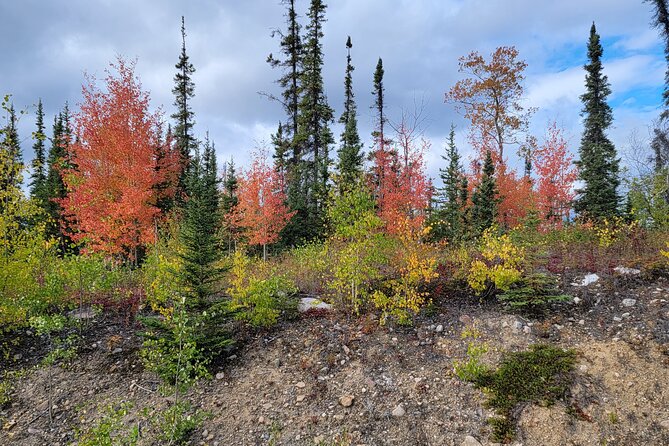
(111,200)
(262,210)
(403,190)
(556,176)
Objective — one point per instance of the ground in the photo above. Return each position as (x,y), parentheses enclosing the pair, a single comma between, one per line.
(332,380)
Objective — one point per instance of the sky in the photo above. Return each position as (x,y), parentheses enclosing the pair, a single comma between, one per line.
(48,46)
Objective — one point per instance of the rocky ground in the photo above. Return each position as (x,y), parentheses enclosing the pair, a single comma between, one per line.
(334,381)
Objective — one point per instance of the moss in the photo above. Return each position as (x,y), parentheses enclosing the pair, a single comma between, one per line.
(540,375)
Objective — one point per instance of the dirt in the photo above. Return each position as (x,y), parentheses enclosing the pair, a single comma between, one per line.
(332,380)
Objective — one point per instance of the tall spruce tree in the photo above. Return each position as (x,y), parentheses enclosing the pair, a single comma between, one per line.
(282,159)
(449,216)
(378,106)
(598,164)
(54,190)
(199,228)
(184,91)
(660,141)
(12,145)
(349,166)
(229,202)
(485,199)
(314,136)
(38,175)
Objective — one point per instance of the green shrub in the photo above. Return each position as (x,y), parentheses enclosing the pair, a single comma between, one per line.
(533,292)
(110,430)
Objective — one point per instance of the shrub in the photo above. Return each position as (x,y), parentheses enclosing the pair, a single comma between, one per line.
(499,265)
(110,429)
(532,292)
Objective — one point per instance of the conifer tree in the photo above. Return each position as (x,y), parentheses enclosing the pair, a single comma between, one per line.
(350,157)
(598,164)
(199,228)
(449,215)
(314,136)
(379,104)
(485,198)
(55,191)
(282,159)
(11,145)
(38,176)
(184,91)
(229,202)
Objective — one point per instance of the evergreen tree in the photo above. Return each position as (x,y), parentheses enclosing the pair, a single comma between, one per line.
(350,156)
(184,91)
(199,228)
(379,106)
(54,190)
(314,136)
(282,158)
(598,165)
(449,215)
(38,176)
(12,145)
(229,202)
(485,198)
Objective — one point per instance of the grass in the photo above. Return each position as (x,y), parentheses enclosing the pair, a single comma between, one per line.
(540,375)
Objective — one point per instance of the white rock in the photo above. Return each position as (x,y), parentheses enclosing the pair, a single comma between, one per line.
(398,411)
(589,279)
(626,271)
(439,328)
(577,300)
(470,441)
(311,303)
(629,302)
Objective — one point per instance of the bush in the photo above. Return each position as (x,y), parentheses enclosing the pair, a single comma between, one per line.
(499,264)
(532,292)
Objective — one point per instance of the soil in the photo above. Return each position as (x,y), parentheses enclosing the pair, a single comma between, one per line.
(333,380)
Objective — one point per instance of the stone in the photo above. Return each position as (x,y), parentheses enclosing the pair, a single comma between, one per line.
(300,398)
(82,314)
(626,271)
(300,385)
(220,376)
(517,326)
(629,302)
(117,350)
(439,328)
(398,411)
(589,279)
(665,424)
(470,441)
(346,400)
(311,303)
(577,300)
(34,431)
(527,329)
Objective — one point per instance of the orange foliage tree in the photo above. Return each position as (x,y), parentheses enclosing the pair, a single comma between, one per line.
(556,176)
(262,210)
(111,199)
(403,190)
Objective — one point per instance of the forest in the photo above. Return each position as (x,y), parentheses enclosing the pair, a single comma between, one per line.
(330,291)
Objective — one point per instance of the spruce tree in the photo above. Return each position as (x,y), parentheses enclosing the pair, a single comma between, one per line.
(58,161)
(229,202)
(314,136)
(184,91)
(12,145)
(199,228)
(598,164)
(449,215)
(485,198)
(349,166)
(281,155)
(379,106)
(38,175)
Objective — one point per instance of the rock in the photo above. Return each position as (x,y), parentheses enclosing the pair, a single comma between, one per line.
(626,271)
(589,279)
(629,302)
(82,314)
(665,424)
(346,400)
(34,431)
(617,319)
(300,398)
(439,328)
(300,385)
(117,350)
(398,411)
(220,376)
(527,329)
(577,300)
(466,319)
(311,303)
(517,326)
(319,439)
(470,441)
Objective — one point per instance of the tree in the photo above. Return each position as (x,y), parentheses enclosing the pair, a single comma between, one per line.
(598,165)
(350,156)
(485,199)
(58,162)
(12,146)
(451,203)
(379,107)
(262,211)
(184,91)
(111,190)
(38,176)
(229,203)
(404,190)
(491,98)
(314,136)
(556,173)
(167,171)
(200,227)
